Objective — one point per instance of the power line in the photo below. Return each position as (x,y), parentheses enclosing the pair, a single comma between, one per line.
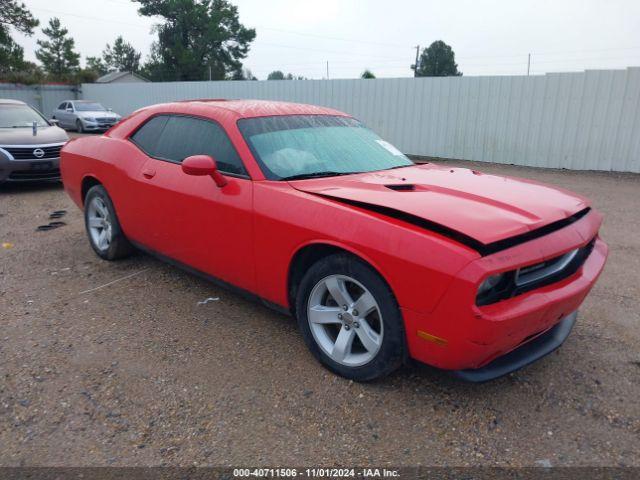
(338,52)
(86,17)
(340,39)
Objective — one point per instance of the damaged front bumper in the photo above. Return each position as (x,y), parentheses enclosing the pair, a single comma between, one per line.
(495,339)
(529,352)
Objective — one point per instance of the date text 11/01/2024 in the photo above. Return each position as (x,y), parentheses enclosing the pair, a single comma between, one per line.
(315,473)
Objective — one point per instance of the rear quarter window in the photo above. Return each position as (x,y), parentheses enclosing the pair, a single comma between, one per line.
(147,136)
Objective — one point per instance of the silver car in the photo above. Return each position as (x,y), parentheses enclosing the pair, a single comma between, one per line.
(29,144)
(85,116)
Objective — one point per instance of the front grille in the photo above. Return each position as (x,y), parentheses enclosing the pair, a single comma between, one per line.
(25,175)
(551,271)
(538,275)
(26,153)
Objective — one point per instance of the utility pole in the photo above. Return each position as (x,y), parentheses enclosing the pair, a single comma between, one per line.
(209,72)
(528,64)
(327,69)
(415,66)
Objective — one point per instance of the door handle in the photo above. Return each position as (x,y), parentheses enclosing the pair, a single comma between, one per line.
(149,173)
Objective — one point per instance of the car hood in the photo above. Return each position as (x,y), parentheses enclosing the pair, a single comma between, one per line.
(486,208)
(97,114)
(25,136)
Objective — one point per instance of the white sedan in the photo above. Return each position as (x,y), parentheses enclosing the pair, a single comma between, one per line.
(85,116)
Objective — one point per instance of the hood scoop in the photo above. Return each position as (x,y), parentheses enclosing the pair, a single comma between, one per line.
(402,187)
(408,187)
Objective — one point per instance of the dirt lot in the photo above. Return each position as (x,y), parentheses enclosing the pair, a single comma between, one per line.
(137,373)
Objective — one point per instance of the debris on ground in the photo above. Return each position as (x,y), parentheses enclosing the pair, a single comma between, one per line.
(57,214)
(209,300)
(50,226)
(113,281)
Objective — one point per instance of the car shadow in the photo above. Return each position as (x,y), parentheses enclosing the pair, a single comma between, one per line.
(30,187)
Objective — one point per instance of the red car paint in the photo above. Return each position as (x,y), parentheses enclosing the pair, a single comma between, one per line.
(248,232)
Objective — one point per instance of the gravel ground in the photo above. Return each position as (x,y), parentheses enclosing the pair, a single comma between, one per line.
(137,373)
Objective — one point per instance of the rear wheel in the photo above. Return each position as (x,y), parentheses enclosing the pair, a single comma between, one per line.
(349,318)
(105,235)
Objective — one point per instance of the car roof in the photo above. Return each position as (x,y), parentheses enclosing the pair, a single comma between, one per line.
(256,108)
(10,101)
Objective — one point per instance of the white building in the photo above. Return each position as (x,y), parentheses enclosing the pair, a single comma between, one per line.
(121,77)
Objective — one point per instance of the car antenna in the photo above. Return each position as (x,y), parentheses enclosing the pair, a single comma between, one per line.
(34,125)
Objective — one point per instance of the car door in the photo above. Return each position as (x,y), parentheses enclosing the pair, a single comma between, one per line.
(71,115)
(188,218)
(61,114)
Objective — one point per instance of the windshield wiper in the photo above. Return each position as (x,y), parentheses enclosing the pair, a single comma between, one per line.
(302,176)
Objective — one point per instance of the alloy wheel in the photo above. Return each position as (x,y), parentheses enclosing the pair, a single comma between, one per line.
(99,223)
(345,320)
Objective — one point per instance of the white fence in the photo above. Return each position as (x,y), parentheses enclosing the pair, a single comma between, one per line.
(42,97)
(584,121)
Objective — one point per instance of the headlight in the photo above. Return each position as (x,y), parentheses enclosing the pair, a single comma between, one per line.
(490,283)
(90,119)
(491,289)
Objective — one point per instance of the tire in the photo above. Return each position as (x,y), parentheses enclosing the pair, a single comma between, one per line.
(381,329)
(79,127)
(107,240)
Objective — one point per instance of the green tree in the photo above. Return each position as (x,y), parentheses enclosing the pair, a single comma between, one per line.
(121,57)
(16,15)
(242,74)
(276,75)
(153,67)
(28,74)
(57,54)
(367,74)
(84,75)
(195,36)
(96,64)
(438,60)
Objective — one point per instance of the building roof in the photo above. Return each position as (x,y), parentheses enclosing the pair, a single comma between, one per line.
(112,76)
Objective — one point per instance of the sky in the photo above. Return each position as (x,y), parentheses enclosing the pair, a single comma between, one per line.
(489,37)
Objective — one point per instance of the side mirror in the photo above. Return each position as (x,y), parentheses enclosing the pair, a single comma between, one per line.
(54,122)
(203,165)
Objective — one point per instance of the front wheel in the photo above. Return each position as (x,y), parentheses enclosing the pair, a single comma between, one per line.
(79,126)
(350,319)
(105,235)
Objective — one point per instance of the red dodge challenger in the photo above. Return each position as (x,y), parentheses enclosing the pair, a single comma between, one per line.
(307,210)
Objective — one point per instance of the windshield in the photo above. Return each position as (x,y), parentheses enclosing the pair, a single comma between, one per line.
(303,146)
(89,107)
(20,116)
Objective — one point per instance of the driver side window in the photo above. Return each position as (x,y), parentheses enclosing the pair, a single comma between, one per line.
(174,138)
